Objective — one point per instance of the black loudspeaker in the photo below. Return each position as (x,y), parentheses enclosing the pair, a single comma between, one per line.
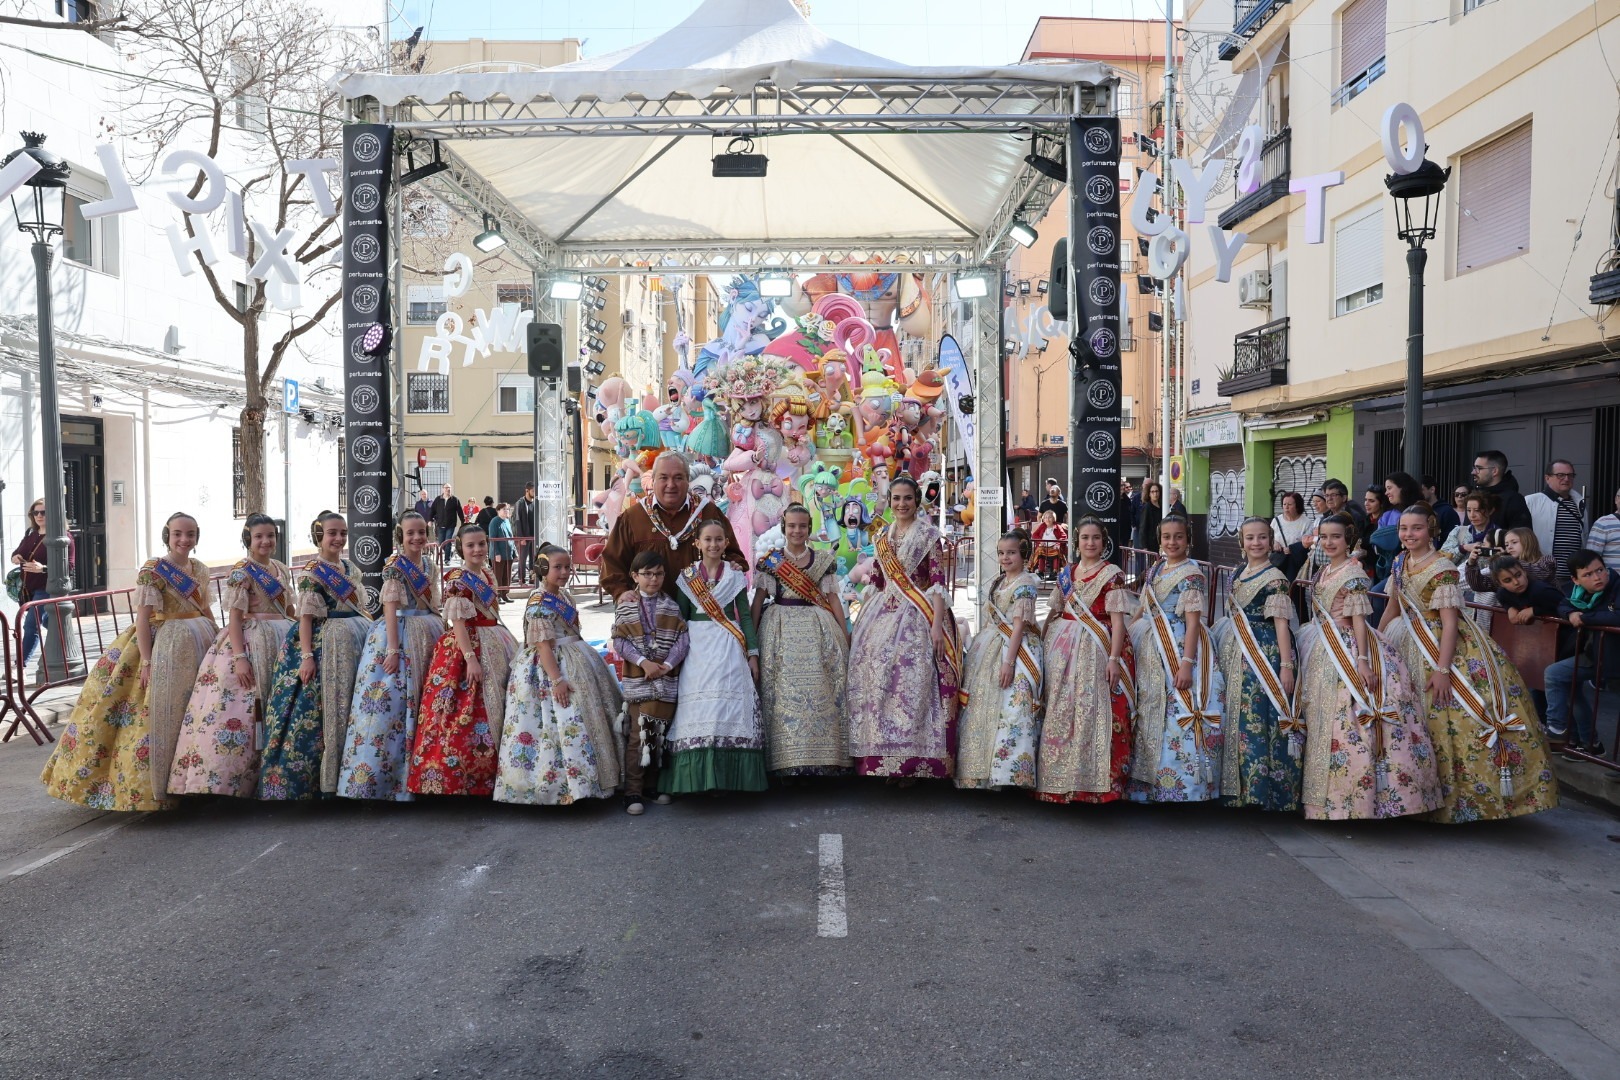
(1057,295)
(574,382)
(545,351)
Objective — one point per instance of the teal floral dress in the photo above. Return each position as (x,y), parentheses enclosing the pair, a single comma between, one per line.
(302,718)
(1260,748)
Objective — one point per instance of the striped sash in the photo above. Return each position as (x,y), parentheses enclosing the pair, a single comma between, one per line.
(1256,658)
(1104,637)
(894,570)
(693,576)
(1024,655)
(1194,702)
(793,576)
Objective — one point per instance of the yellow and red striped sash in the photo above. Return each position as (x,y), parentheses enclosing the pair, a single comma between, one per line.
(693,575)
(1105,640)
(895,571)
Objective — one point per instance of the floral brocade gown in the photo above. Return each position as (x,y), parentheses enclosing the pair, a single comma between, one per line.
(901,693)
(105,759)
(551,754)
(803,662)
(458,730)
(1085,749)
(1478,781)
(1001,728)
(218,751)
(1177,752)
(305,722)
(1367,749)
(1260,753)
(383,712)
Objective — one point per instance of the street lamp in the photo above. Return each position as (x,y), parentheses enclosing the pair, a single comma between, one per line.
(1417,211)
(40,206)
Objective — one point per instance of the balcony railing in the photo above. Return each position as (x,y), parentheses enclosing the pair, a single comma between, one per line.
(1248,16)
(1275,169)
(1259,360)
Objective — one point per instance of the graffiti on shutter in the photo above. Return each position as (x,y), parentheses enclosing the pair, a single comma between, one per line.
(1226,503)
(1297,465)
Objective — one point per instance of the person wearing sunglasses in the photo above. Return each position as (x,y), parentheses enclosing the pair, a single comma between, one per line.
(1558,515)
(30,556)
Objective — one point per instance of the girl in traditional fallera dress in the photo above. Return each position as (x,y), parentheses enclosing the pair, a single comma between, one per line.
(393,666)
(1179,693)
(1085,750)
(557,745)
(218,751)
(1001,723)
(651,640)
(1261,735)
(803,654)
(1367,750)
(717,741)
(905,666)
(119,742)
(458,729)
(1490,752)
(308,712)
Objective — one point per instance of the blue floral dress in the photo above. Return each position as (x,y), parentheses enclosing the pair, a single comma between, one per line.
(1178,736)
(1260,755)
(302,718)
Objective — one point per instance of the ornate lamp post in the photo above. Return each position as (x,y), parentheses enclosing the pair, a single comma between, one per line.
(1417,209)
(39,207)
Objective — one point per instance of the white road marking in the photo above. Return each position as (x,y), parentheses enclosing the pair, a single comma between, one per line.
(831,920)
(68,849)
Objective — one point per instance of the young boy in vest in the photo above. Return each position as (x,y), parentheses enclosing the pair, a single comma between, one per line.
(650,637)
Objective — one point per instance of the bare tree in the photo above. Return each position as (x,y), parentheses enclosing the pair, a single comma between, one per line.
(252,75)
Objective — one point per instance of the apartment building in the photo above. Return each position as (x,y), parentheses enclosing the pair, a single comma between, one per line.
(1037,367)
(1298,362)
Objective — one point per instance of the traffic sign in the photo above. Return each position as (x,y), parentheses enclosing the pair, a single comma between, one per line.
(289,395)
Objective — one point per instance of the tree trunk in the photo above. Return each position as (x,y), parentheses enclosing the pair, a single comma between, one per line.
(252,420)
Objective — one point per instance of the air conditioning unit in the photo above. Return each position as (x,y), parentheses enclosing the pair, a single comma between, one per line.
(1254,289)
(627,317)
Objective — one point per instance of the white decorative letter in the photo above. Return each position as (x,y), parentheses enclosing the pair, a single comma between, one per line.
(1167,252)
(275,254)
(283,296)
(1403,158)
(314,170)
(458,274)
(1196,186)
(213,190)
(121,199)
(1225,251)
(1314,187)
(16,174)
(183,246)
(1250,143)
(235,225)
(1141,202)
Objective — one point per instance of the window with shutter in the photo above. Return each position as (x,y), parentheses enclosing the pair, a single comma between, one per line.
(1493,201)
(1358,259)
(1361,47)
(424,304)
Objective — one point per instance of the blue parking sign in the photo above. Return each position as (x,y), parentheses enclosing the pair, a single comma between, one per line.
(289,395)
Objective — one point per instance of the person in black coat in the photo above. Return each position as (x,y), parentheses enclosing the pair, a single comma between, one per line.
(523,521)
(487,514)
(1491,473)
(1147,525)
(446,517)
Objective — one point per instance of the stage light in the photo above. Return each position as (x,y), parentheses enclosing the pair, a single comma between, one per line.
(597,303)
(1047,167)
(421,172)
(596,326)
(490,239)
(1041,286)
(973,286)
(374,342)
(776,285)
(1022,232)
(599,284)
(964,404)
(1023,288)
(594,367)
(739,160)
(565,288)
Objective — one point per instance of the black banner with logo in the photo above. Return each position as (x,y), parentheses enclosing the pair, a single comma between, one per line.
(1095,403)
(368,167)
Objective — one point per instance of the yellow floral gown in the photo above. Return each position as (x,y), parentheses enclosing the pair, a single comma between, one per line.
(108,757)
(1491,765)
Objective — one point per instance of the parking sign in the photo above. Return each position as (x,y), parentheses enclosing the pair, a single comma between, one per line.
(289,395)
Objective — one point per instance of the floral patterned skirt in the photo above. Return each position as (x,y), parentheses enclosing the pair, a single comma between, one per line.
(296,718)
(1085,750)
(103,759)
(218,749)
(551,755)
(1000,729)
(459,727)
(382,715)
(1260,762)
(1173,759)
(901,704)
(802,661)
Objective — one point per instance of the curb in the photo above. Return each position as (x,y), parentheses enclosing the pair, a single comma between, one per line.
(1593,783)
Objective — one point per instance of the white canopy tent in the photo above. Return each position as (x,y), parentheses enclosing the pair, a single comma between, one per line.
(870,161)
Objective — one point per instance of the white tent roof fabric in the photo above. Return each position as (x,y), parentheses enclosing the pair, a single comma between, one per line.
(820,185)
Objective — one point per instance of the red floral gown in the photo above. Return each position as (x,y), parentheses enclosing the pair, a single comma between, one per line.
(459,727)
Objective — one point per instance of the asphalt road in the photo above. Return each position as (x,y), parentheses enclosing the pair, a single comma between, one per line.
(986,936)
